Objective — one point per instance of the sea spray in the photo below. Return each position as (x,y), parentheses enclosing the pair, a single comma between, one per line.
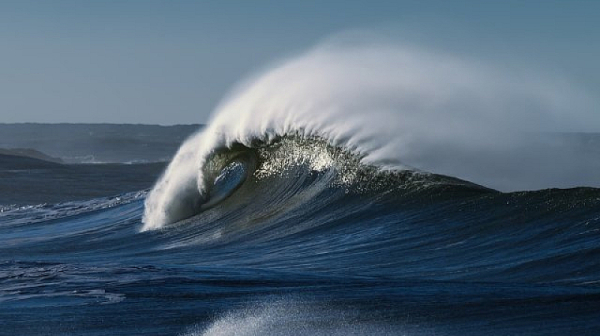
(395,107)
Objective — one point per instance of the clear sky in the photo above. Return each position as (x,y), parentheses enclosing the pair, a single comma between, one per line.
(171,61)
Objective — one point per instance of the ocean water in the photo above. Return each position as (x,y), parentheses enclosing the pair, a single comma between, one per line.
(290,245)
(336,194)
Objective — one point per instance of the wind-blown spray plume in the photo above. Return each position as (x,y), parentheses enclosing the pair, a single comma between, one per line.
(394,107)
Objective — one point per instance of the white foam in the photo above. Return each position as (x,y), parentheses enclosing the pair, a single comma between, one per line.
(288,317)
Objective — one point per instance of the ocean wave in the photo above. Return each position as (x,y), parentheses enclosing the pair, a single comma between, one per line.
(290,169)
(390,107)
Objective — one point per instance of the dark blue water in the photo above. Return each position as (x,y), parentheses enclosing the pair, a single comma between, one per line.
(332,251)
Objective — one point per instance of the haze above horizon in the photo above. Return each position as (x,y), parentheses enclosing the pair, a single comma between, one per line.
(171,62)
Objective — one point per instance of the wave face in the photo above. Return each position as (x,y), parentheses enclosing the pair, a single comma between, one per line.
(277,171)
(396,109)
(311,196)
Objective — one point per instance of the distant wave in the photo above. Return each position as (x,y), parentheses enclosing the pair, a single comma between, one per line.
(388,107)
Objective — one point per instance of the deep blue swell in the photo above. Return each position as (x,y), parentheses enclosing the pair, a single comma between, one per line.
(299,254)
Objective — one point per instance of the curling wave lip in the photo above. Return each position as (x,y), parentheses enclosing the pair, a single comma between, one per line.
(231,177)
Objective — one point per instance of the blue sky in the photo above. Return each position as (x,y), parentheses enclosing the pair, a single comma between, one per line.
(171,62)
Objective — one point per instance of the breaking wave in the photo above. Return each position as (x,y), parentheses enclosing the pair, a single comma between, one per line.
(387,107)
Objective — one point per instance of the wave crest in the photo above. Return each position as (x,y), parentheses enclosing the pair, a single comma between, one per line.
(391,107)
